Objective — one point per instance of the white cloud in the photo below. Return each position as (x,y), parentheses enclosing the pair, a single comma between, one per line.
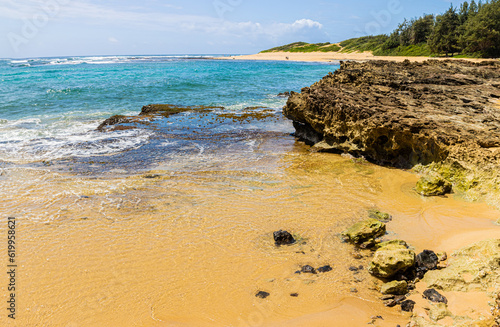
(97,14)
(112,40)
(306,23)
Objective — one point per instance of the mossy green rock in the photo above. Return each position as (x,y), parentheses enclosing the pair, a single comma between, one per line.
(364,231)
(379,215)
(473,268)
(439,311)
(390,259)
(395,288)
(393,242)
(433,185)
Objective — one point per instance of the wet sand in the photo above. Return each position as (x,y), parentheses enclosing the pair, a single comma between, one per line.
(173,247)
(333,56)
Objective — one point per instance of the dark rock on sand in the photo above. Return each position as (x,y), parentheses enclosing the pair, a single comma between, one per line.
(294,294)
(434,296)
(395,300)
(282,237)
(426,259)
(407,305)
(387,297)
(262,294)
(325,269)
(308,270)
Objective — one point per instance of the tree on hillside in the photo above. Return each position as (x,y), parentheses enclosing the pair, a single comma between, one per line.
(482,31)
(444,37)
(473,8)
(421,29)
(463,14)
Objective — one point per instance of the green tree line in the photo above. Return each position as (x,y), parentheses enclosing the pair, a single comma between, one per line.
(472,29)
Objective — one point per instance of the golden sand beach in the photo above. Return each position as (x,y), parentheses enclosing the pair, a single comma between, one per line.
(332,56)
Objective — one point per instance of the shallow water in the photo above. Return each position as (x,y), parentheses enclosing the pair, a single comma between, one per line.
(177,229)
(192,247)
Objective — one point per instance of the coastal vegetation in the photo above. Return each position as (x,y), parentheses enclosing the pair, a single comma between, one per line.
(305,47)
(473,30)
(470,30)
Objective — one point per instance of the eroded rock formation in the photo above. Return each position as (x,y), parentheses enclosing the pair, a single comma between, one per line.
(404,114)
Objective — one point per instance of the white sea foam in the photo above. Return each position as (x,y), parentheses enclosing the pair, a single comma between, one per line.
(36,139)
(96,60)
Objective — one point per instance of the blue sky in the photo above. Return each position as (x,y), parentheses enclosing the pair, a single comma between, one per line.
(36,28)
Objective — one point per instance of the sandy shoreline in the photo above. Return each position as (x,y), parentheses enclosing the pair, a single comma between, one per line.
(332,56)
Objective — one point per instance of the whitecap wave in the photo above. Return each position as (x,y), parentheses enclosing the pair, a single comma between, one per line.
(96,60)
(34,139)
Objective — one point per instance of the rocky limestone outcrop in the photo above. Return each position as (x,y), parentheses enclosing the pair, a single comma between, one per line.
(473,268)
(404,114)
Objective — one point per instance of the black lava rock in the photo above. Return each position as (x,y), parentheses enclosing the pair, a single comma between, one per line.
(427,259)
(433,295)
(325,269)
(262,294)
(407,305)
(282,237)
(308,270)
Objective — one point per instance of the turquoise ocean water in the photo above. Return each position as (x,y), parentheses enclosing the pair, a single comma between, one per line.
(50,107)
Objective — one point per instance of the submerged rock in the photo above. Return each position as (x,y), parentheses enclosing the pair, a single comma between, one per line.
(433,185)
(379,215)
(172,109)
(113,120)
(282,237)
(391,259)
(434,296)
(395,288)
(364,231)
